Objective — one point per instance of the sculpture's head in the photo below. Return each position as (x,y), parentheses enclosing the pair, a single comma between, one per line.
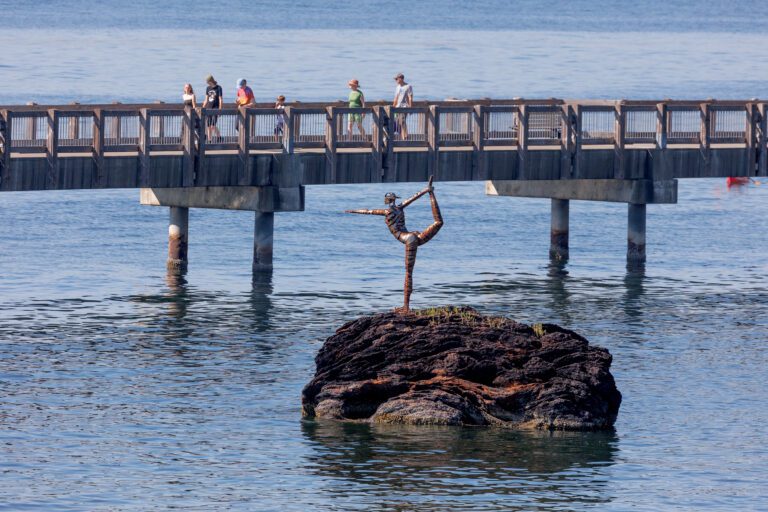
(389,198)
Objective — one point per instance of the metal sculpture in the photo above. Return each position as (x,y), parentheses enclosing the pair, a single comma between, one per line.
(394,216)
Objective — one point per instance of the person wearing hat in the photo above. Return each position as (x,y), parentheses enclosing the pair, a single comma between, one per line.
(245,96)
(214,98)
(403,98)
(356,100)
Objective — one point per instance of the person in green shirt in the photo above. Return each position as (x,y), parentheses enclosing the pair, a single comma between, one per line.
(356,100)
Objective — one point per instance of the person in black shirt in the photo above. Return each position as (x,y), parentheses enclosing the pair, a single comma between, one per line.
(213,99)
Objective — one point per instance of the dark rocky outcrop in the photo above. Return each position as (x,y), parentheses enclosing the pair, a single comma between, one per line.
(453,366)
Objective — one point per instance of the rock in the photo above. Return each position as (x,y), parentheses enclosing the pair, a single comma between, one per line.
(454,366)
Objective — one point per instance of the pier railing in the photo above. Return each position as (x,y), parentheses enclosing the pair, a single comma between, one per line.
(568,126)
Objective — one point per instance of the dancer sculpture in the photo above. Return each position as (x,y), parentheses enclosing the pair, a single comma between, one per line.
(394,216)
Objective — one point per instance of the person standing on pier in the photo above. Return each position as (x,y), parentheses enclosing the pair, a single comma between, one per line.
(245,97)
(214,98)
(356,100)
(281,119)
(403,98)
(188,96)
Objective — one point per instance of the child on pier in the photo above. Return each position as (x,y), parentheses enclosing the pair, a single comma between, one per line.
(281,119)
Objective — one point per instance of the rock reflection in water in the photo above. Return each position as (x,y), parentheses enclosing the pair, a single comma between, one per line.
(468,467)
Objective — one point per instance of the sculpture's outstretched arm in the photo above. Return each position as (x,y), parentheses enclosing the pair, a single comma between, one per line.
(427,190)
(367,212)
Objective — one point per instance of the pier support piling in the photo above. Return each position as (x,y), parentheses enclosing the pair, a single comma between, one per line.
(636,233)
(264,227)
(558,248)
(178,232)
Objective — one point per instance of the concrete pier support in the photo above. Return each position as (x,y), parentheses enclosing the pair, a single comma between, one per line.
(178,232)
(636,233)
(264,227)
(558,247)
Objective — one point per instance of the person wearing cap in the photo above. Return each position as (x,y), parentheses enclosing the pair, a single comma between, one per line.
(403,98)
(245,96)
(214,98)
(356,100)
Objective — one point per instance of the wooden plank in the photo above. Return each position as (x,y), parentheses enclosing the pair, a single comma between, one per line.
(478,138)
(568,148)
(619,169)
(377,173)
(144,145)
(662,125)
(202,144)
(331,138)
(433,139)
(190,150)
(5,162)
(51,150)
(290,137)
(243,151)
(762,140)
(705,137)
(98,149)
(751,136)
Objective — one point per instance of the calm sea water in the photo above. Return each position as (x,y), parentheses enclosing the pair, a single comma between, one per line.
(122,388)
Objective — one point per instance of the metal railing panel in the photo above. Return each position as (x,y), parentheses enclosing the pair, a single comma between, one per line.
(728,125)
(220,128)
(354,127)
(166,129)
(75,131)
(683,124)
(456,126)
(268,128)
(121,130)
(597,125)
(545,125)
(408,126)
(500,125)
(640,125)
(29,132)
(310,127)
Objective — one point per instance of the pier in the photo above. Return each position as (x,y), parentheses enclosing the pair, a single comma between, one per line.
(259,159)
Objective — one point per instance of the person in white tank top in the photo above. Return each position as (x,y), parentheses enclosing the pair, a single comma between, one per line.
(403,98)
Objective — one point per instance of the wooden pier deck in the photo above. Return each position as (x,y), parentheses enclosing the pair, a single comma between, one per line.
(166,146)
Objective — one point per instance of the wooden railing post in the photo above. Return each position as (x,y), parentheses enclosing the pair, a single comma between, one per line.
(330,144)
(98,148)
(619,169)
(478,137)
(244,153)
(377,173)
(762,140)
(662,125)
(290,134)
(6,120)
(188,143)
(522,141)
(567,146)
(144,147)
(202,142)
(389,137)
(751,136)
(433,140)
(478,128)
(52,149)
(705,137)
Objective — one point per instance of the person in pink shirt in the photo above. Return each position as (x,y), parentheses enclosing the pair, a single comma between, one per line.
(245,96)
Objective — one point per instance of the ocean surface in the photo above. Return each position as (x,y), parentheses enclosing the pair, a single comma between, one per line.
(123,388)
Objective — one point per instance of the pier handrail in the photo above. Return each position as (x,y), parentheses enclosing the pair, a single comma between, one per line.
(478,125)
